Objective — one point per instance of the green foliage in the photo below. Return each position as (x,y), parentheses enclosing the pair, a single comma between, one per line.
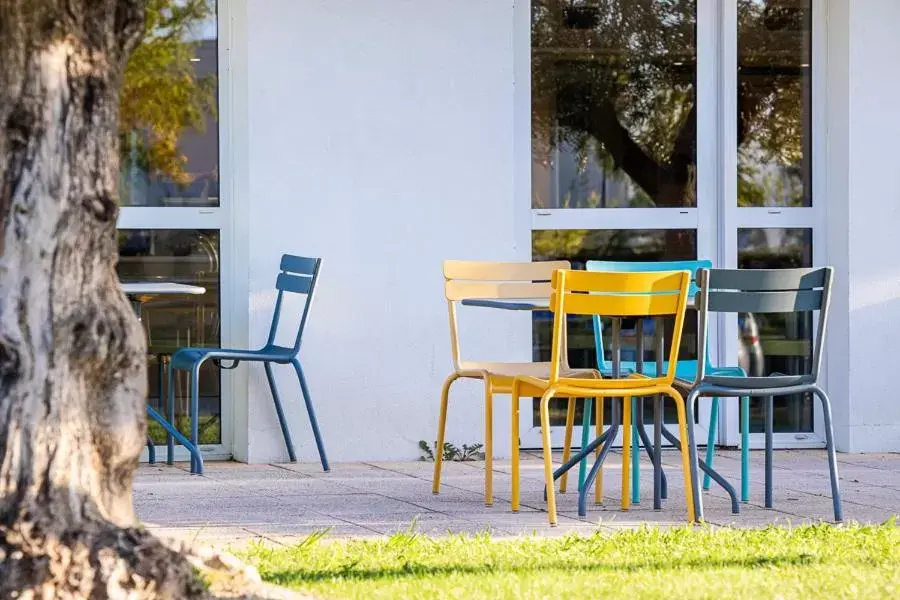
(162,96)
(817,561)
(451,452)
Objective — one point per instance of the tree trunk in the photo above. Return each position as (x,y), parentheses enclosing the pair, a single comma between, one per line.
(72,353)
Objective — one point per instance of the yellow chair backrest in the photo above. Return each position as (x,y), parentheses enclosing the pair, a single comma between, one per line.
(617,294)
(482,280)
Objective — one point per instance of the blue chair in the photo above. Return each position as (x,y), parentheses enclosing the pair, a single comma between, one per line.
(298,276)
(686,369)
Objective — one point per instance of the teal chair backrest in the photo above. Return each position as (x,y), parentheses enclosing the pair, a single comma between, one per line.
(633,267)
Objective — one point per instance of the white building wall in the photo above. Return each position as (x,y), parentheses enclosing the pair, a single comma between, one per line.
(380,137)
(863,220)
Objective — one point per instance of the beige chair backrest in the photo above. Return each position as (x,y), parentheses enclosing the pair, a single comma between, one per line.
(479,280)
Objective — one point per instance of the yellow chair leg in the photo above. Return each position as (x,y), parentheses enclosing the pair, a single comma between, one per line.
(488,444)
(626,453)
(514,448)
(567,444)
(442,425)
(548,456)
(685,454)
(598,431)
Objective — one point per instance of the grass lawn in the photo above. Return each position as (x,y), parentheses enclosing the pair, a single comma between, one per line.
(819,561)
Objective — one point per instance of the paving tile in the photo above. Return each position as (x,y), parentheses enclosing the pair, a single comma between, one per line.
(240,504)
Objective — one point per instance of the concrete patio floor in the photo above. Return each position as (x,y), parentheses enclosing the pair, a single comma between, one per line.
(233,503)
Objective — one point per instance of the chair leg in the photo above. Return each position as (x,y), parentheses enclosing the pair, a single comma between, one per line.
(660,482)
(279,410)
(442,426)
(627,410)
(770,421)
(567,443)
(548,456)
(151,451)
(832,455)
(688,453)
(598,431)
(488,443)
(711,440)
(585,438)
(636,405)
(745,449)
(514,448)
(195,415)
(170,439)
(311,413)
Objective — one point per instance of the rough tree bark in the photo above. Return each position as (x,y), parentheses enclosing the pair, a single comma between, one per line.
(72,354)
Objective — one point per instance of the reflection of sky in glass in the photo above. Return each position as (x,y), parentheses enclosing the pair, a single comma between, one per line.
(206,29)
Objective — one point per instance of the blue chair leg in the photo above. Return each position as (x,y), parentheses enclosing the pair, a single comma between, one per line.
(745,449)
(151,451)
(313,422)
(285,431)
(585,438)
(195,415)
(170,439)
(711,440)
(770,421)
(832,457)
(195,453)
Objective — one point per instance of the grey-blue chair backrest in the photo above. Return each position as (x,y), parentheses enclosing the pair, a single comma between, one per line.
(767,291)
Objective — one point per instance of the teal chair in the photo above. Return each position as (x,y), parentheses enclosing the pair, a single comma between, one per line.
(686,369)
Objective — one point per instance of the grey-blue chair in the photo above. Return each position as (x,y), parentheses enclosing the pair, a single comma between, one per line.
(764,291)
(298,276)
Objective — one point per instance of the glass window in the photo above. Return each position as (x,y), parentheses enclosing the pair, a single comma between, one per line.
(777,343)
(614,113)
(774,127)
(579,246)
(171,322)
(169,131)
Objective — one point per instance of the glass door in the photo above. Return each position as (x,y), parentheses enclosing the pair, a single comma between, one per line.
(622,109)
(172,222)
(771,218)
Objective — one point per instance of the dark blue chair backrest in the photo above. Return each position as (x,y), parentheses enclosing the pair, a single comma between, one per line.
(299,275)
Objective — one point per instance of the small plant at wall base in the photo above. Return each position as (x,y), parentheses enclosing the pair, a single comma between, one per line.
(452,452)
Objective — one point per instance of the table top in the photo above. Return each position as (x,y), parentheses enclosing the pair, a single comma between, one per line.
(161,288)
(523,303)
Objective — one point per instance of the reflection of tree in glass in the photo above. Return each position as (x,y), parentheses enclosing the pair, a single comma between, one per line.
(617,79)
(162,95)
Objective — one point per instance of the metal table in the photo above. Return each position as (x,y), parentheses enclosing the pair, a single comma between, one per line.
(606,440)
(139,293)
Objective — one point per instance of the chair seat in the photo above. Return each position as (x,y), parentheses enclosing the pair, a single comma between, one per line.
(502,374)
(685,369)
(772,382)
(186,358)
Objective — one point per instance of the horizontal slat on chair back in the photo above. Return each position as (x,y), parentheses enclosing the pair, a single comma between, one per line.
(297,284)
(492,290)
(766,280)
(622,266)
(659,282)
(616,305)
(502,271)
(301,265)
(765,302)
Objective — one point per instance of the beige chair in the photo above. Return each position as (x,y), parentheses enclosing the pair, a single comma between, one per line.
(465,280)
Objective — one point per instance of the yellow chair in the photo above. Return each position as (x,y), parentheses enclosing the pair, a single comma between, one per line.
(466,280)
(611,295)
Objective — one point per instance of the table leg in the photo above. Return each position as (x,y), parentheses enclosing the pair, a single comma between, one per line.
(196,458)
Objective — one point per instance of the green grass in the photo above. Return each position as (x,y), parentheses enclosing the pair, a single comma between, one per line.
(818,561)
